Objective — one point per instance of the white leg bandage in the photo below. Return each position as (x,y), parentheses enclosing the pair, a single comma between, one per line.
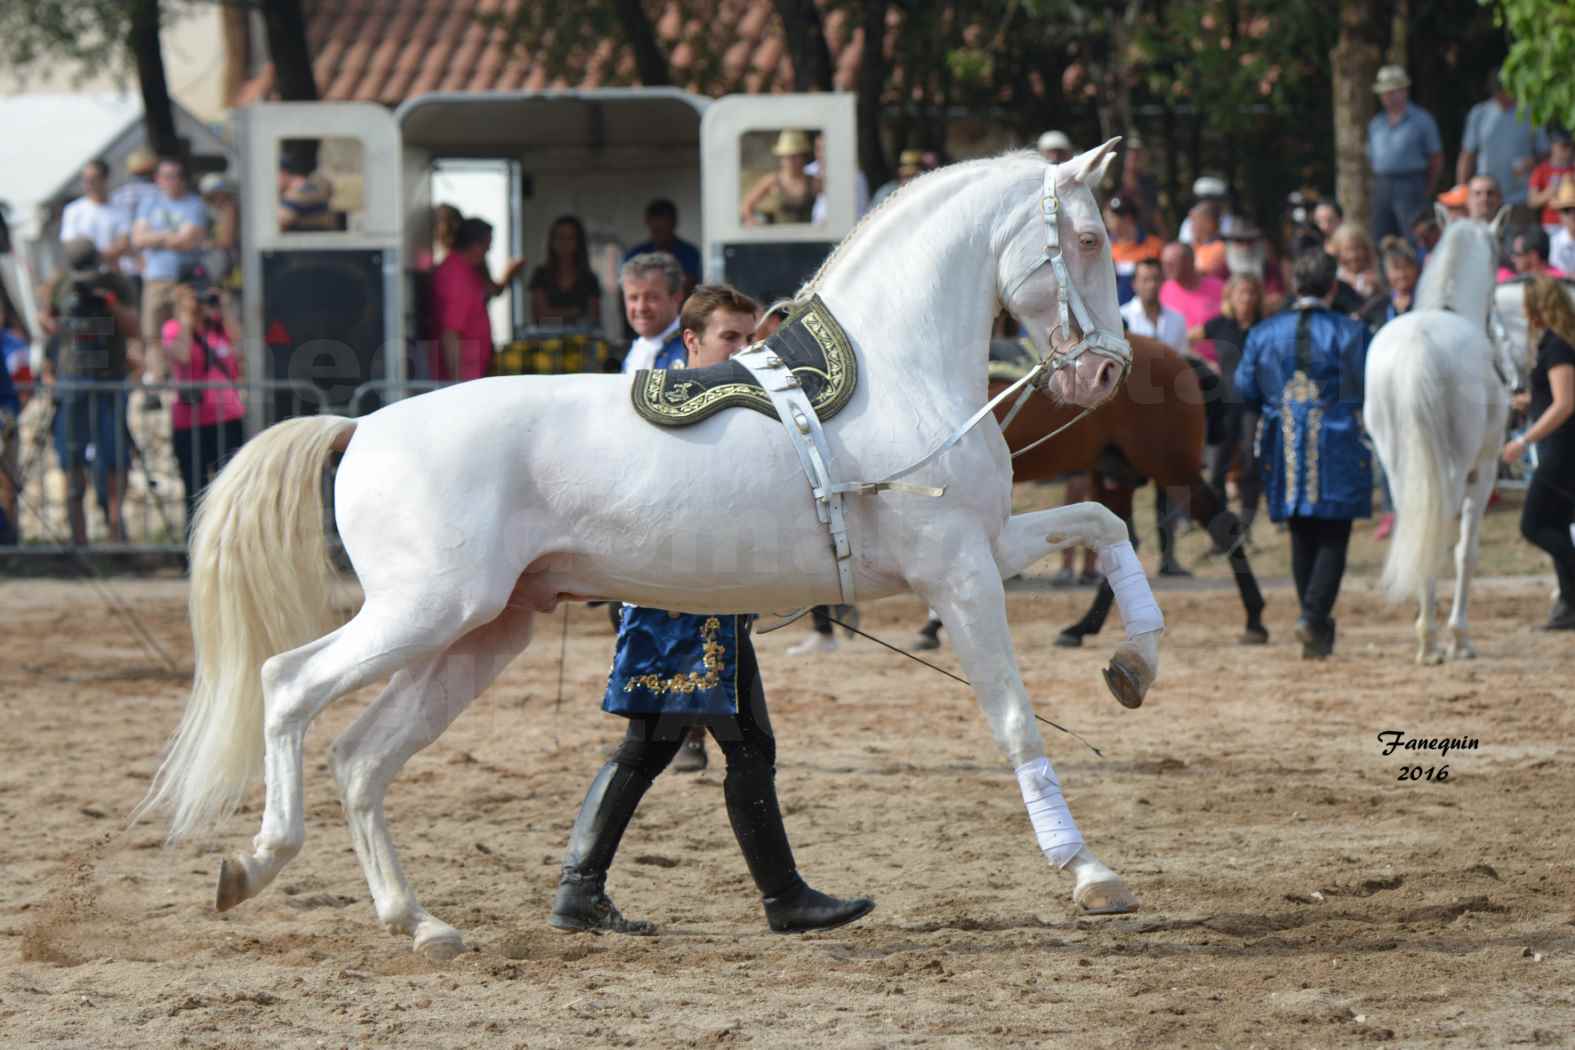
(1139,611)
(1053,824)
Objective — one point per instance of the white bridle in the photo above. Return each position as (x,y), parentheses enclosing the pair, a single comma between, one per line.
(1069,301)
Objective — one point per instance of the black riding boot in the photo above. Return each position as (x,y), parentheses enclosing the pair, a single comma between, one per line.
(582,902)
(791,905)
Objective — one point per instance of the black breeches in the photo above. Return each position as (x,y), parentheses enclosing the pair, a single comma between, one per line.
(1318,549)
(1545,520)
(746,739)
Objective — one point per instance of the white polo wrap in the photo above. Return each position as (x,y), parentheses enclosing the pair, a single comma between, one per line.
(1139,611)
(1053,824)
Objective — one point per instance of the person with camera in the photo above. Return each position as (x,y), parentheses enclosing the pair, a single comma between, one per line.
(91,319)
(206,416)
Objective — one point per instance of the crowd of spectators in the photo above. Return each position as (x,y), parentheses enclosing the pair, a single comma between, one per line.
(147,293)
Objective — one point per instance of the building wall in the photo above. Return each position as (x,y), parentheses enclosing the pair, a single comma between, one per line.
(193,65)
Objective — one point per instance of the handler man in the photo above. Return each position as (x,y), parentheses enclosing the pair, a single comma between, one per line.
(671,671)
(1303,370)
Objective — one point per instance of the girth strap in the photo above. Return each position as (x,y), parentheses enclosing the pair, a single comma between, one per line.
(809,441)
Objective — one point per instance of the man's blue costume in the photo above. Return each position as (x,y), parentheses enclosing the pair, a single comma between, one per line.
(1304,371)
(671,671)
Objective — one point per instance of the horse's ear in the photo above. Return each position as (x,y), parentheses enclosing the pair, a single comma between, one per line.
(1088,168)
(1441,214)
(1497,225)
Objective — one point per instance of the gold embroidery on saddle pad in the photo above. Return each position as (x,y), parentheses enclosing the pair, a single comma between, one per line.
(810,342)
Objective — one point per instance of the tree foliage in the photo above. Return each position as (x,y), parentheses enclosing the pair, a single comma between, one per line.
(1541,58)
(83,36)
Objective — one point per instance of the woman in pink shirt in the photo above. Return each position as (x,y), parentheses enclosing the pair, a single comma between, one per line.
(206,419)
(459,305)
(1195,296)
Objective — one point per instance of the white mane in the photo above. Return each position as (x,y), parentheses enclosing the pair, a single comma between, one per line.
(902,195)
(1461,272)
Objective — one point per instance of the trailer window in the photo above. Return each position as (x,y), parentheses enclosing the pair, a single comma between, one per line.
(780,181)
(322,185)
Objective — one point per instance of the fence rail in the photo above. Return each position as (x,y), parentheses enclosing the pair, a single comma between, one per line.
(104,465)
(81,450)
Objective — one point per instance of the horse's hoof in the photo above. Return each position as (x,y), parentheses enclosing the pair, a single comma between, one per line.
(1254,636)
(1068,640)
(926,642)
(1106,897)
(1123,685)
(1431,658)
(232,884)
(1462,652)
(440,947)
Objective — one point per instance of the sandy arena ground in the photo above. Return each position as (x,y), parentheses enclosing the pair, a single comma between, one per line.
(1295,893)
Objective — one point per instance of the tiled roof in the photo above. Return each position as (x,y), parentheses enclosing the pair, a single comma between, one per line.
(389,50)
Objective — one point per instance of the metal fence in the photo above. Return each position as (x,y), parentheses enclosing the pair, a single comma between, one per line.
(104,465)
(114,467)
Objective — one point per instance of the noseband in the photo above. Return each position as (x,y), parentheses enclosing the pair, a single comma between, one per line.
(1069,301)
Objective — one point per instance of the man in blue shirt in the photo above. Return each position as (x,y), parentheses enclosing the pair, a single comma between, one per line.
(169,228)
(1501,141)
(1405,152)
(661,219)
(1303,372)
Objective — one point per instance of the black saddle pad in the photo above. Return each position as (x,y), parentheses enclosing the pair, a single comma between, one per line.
(810,342)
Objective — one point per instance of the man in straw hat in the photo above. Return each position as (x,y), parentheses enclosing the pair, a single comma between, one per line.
(1405,152)
(1562,252)
(787,195)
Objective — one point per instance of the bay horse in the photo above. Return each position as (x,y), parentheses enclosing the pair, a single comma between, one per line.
(1436,405)
(469,511)
(1152,428)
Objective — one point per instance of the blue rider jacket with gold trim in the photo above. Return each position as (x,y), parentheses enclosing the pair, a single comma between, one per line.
(1303,369)
(675,663)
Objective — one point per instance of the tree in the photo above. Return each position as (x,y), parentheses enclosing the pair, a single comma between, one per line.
(121,36)
(1353,64)
(806,42)
(285,25)
(1541,56)
(158,114)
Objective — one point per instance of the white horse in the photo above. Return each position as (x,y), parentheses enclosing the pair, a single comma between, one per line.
(468,511)
(1436,404)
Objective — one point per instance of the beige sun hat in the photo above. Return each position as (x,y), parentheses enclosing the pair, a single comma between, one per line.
(141,161)
(1390,78)
(791,143)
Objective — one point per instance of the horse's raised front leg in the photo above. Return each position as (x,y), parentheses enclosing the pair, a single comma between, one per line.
(418,705)
(1479,488)
(972,602)
(1029,537)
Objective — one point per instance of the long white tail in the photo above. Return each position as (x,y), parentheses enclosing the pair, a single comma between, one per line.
(1423,483)
(260,582)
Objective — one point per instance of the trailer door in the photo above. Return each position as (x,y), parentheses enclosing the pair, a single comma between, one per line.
(322,309)
(752,152)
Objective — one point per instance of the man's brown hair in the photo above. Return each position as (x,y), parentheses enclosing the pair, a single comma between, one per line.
(707,299)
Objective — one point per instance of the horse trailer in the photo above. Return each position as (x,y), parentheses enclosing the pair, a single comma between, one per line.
(340,309)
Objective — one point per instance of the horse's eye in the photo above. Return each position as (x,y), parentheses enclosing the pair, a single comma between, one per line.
(1088,241)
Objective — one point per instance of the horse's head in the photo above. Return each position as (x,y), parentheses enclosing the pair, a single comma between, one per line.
(1056,277)
(1461,271)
